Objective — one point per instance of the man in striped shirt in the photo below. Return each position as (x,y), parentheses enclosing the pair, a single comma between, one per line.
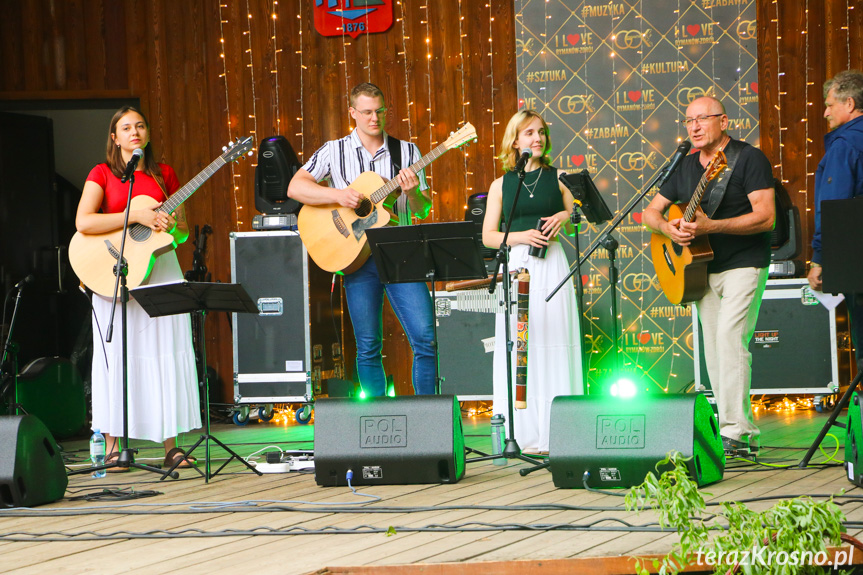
(367,148)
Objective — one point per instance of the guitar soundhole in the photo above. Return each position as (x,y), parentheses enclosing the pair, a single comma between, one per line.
(365,208)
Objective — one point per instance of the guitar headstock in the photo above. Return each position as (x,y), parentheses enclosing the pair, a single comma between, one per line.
(234,151)
(464,135)
(716,165)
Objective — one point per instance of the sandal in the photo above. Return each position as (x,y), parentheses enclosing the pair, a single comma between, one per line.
(172,456)
(112,458)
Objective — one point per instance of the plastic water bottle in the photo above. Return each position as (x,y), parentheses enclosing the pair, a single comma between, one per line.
(97,452)
(498,438)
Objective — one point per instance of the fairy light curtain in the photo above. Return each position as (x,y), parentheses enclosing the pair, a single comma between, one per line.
(613,80)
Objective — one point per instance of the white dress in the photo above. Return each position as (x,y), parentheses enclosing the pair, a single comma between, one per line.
(554,351)
(163,382)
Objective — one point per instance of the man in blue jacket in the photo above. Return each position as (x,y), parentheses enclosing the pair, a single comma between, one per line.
(840,175)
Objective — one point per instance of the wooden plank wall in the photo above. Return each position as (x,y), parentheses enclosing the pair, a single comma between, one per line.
(207,71)
(280,76)
(801,45)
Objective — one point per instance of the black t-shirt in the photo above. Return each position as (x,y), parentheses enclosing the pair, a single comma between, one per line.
(752,172)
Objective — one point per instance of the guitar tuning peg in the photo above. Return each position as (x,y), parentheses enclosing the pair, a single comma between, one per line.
(231,144)
(224,148)
(250,152)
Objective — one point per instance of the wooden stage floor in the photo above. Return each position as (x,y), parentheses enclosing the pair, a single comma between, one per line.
(174,533)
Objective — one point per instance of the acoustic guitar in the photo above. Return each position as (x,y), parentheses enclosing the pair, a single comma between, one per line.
(335,236)
(682,270)
(93,256)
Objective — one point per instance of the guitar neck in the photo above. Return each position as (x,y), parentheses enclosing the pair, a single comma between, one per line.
(381,193)
(697,195)
(186,191)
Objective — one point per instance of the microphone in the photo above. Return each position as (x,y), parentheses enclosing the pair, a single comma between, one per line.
(674,163)
(522,161)
(28,280)
(133,163)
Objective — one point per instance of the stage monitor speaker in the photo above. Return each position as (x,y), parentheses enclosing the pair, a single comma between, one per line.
(277,164)
(389,440)
(31,467)
(854,441)
(618,441)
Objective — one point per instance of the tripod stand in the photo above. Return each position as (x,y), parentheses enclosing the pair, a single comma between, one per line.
(202,297)
(126,458)
(427,253)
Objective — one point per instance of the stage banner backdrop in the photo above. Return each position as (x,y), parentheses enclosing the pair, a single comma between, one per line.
(613,80)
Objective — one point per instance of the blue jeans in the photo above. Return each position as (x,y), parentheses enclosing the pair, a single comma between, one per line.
(413,306)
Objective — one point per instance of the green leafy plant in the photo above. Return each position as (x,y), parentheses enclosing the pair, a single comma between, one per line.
(743,541)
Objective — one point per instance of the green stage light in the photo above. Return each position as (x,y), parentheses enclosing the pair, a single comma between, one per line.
(391,391)
(623,388)
(362,394)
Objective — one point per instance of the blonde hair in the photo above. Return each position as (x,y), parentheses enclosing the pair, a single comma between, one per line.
(365,89)
(509,154)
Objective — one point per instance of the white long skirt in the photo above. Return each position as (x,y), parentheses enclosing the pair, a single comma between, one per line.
(554,350)
(163,382)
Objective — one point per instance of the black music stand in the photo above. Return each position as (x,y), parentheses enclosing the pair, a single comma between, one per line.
(841,246)
(446,251)
(203,297)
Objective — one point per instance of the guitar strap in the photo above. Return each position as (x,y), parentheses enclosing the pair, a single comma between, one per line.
(732,152)
(395,147)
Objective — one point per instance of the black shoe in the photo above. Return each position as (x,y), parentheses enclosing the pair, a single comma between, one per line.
(733,447)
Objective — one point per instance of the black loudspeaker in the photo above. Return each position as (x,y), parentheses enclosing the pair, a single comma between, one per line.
(31,467)
(389,440)
(618,441)
(277,164)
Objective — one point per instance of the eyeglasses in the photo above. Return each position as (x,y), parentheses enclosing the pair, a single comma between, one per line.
(368,113)
(700,119)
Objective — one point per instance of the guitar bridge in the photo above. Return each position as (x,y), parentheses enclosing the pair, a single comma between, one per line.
(339,223)
(668,259)
(115,252)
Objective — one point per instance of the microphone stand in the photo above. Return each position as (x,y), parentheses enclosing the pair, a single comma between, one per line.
(604,236)
(10,349)
(126,458)
(511,449)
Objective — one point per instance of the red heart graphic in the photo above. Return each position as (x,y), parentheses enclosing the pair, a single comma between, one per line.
(634,96)
(577,160)
(643,338)
(584,279)
(573,39)
(520,103)
(637,217)
(693,29)
(754,87)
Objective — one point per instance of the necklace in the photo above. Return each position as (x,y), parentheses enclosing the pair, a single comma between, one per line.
(531,187)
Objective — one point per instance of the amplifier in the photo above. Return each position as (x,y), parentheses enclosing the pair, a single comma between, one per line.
(465,333)
(794,347)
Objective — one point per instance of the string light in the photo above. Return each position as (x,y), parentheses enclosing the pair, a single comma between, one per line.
(464,105)
(492,87)
(301,100)
(429,179)
(237,206)
(275,70)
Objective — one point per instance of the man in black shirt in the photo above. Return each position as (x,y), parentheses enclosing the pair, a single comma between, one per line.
(738,220)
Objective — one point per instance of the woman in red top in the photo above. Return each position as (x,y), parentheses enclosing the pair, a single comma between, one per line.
(163,387)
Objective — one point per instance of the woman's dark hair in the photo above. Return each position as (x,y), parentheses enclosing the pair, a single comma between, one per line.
(114,158)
